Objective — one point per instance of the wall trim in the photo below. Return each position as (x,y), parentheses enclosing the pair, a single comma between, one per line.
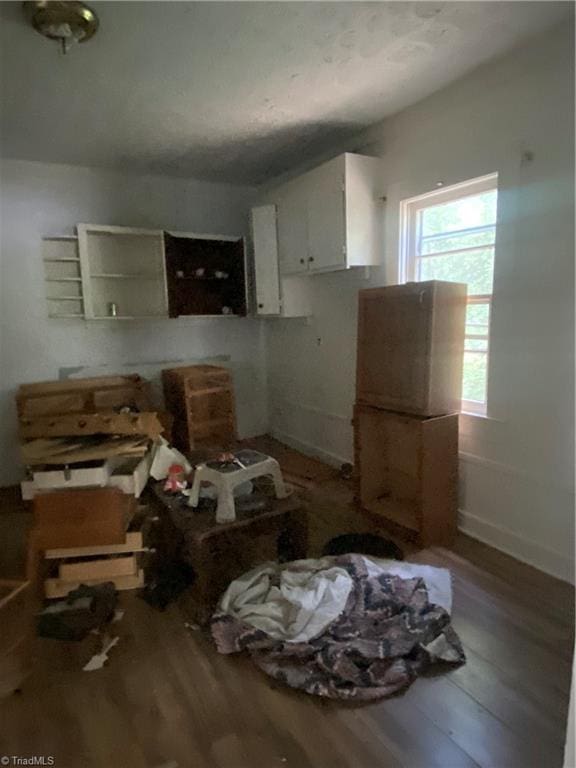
(527,551)
(307,448)
(501,538)
(278,401)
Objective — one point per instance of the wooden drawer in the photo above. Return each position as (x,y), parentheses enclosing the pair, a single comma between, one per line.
(101,568)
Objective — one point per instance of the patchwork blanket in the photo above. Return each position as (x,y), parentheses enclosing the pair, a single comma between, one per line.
(365,634)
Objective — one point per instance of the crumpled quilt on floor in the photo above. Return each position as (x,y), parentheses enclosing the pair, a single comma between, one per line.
(342,627)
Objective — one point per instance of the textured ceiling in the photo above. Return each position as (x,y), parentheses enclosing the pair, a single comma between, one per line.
(238,91)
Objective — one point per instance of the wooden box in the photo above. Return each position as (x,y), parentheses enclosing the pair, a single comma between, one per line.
(84,517)
(411,347)
(201,398)
(407,471)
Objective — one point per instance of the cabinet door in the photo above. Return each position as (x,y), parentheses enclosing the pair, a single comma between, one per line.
(393,367)
(265,242)
(326,217)
(292,229)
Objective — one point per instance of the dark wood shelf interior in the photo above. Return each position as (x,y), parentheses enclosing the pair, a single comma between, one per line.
(190,294)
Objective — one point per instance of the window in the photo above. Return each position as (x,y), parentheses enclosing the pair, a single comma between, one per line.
(449,234)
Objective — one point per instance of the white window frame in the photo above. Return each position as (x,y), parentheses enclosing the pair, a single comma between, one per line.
(409,210)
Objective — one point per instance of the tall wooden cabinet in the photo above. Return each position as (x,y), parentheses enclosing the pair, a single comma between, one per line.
(410,347)
(408,387)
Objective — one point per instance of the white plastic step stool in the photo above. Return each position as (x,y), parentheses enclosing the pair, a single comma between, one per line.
(226,476)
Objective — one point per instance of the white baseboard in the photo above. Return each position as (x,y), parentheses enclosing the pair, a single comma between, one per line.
(529,552)
(308,448)
(526,550)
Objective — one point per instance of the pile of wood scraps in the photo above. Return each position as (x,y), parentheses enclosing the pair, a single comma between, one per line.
(75,450)
(94,430)
(88,447)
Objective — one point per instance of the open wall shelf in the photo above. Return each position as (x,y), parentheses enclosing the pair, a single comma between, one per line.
(63,278)
(124,273)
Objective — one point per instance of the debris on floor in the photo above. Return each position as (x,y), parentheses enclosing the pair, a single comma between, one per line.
(192,626)
(347,627)
(84,610)
(99,659)
(164,457)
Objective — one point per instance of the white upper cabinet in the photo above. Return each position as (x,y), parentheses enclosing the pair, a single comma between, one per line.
(292,227)
(265,246)
(276,295)
(331,218)
(326,214)
(123,272)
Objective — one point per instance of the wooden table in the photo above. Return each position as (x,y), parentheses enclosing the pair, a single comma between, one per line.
(220,552)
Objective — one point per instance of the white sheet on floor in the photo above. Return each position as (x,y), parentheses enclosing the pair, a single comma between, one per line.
(296,602)
(306,599)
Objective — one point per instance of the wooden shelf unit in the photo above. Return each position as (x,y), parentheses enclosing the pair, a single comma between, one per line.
(205,294)
(201,399)
(64,294)
(128,273)
(122,267)
(407,471)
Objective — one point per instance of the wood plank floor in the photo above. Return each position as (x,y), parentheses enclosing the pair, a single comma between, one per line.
(166,695)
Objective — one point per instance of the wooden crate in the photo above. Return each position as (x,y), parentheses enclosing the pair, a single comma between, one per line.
(85,517)
(68,567)
(100,393)
(411,347)
(201,398)
(407,472)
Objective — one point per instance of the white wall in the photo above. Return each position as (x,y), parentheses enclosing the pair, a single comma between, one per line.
(43,199)
(517,468)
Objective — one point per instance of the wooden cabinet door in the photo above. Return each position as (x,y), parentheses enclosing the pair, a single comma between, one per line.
(326,216)
(293,229)
(393,347)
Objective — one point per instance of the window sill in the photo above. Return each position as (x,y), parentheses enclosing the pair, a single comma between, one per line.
(482,416)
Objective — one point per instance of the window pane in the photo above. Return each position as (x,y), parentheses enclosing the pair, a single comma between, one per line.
(472,267)
(476,345)
(472,211)
(478,314)
(474,382)
(468,240)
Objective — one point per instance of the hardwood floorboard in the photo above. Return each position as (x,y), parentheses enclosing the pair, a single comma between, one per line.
(167,695)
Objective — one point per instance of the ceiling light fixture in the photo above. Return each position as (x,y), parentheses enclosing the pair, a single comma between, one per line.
(66,22)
